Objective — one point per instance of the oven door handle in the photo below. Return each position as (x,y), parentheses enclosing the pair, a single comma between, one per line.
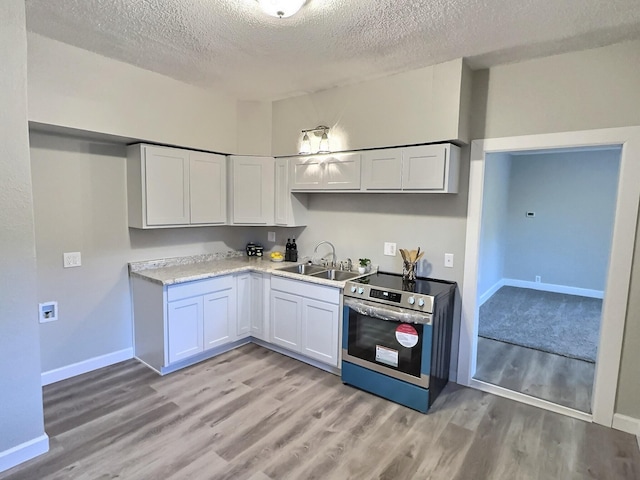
(389,313)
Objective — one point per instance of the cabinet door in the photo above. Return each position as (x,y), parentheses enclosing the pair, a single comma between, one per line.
(382,169)
(282,192)
(306,173)
(423,168)
(208,186)
(342,172)
(244,296)
(257,305)
(184,325)
(286,312)
(219,318)
(252,190)
(320,323)
(167,186)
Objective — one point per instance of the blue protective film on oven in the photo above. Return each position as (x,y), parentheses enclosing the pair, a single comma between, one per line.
(392,389)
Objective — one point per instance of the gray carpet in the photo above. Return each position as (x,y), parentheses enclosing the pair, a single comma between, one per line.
(566,325)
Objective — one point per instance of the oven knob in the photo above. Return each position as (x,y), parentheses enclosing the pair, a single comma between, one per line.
(421,302)
(353,289)
(360,290)
(412,300)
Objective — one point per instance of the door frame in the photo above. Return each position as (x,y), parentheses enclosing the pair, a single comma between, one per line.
(618,273)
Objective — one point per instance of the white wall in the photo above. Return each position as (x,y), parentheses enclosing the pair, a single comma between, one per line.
(419,106)
(79,190)
(21,418)
(495,203)
(254,128)
(573,196)
(574,91)
(71,87)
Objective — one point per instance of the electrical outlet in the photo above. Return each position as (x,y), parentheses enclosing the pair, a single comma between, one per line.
(271,236)
(538,279)
(448,260)
(71,259)
(48,312)
(390,249)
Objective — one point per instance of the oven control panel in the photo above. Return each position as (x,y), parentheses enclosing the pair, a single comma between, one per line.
(413,301)
(394,297)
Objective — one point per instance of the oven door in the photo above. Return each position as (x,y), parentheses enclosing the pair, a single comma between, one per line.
(387,340)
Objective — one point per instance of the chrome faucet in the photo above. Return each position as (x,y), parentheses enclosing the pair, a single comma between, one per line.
(333,252)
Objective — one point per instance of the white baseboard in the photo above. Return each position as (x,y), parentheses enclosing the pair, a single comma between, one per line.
(550,287)
(489,293)
(627,424)
(68,371)
(23,452)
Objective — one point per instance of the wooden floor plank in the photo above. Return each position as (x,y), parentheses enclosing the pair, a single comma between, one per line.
(253,414)
(562,380)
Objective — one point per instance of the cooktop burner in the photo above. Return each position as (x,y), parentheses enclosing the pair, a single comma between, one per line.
(394,281)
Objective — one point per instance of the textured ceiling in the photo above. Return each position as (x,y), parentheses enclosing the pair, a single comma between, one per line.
(233,46)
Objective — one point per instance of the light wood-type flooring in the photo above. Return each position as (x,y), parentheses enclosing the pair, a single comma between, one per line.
(562,380)
(255,414)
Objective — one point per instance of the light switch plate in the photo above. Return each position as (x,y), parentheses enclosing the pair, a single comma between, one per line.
(271,236)
(448,260)
(71,259)
(390,249)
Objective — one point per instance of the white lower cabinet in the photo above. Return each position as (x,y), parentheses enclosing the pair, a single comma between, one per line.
(219,319)
(175,325)
(176,322)
(286,312)
(250,305)
(320,323)
(184,328)
(305,318)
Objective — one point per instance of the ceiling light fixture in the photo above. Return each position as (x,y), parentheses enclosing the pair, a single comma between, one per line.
(320,131)
(281,8)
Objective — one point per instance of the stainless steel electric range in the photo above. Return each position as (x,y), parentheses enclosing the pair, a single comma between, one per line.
(396,339)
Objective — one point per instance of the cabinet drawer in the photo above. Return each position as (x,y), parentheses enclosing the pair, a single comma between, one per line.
(199,287)
(306,289)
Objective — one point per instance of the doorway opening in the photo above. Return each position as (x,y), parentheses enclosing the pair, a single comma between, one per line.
(618,271)
(547,223)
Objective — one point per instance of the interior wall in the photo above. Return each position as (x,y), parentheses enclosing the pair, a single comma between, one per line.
(79,191)
(21,417)
(419,106)
(254,128)
(568,92)
(75,88)
(495,203)
(573,196)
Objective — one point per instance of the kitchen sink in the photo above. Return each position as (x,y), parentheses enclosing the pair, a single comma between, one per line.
(339,275)
(304,269)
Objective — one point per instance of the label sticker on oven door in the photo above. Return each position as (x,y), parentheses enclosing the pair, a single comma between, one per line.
(386,355)
(406,335)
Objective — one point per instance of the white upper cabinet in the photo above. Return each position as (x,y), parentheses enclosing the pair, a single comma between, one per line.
(306,173)
(167,186)
(252,190)
(208,181)
(172,187)
(326,172)
(419,169)
(382,169)
(423,168)
(290,209)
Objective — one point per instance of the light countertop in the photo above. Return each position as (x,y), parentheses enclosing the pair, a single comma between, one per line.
(177,270)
